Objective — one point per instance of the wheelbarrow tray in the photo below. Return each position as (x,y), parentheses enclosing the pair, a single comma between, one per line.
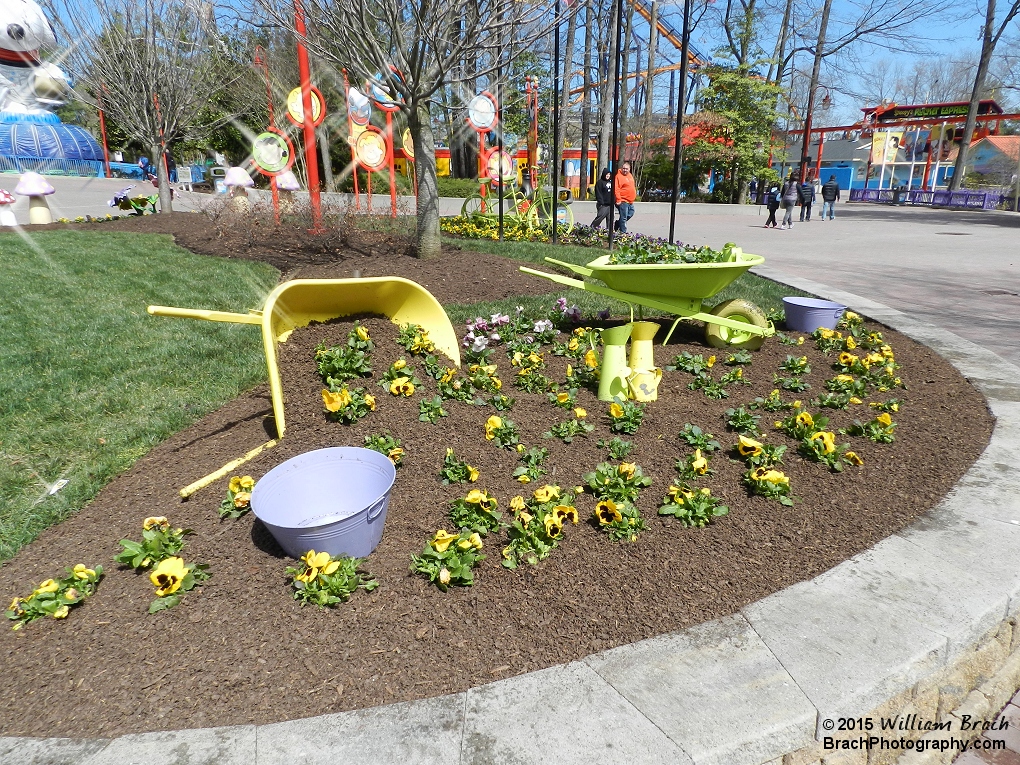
(299,302)
(685,280)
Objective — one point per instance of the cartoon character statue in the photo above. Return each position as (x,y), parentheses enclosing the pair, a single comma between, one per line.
(27,85)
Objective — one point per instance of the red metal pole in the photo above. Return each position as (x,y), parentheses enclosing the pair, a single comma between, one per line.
(390,148)
(102,129)
(311,159)
(350,134)
(261,60)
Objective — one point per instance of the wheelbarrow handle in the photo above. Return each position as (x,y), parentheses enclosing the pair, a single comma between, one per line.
(582,270)
(254,317)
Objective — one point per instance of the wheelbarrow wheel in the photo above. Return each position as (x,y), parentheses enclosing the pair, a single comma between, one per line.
(737,310)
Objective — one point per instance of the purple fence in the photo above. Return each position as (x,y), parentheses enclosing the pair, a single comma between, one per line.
(975,200)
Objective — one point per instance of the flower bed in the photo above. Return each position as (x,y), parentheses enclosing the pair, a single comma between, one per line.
(688,556)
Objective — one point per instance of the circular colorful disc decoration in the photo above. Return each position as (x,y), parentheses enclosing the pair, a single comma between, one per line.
(358,107)
(370,149)
(408,144)
(499,163)
(381,95)
(272,153)
(482,112)
(295,112)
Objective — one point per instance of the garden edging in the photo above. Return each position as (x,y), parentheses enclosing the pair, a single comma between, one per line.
(923,623)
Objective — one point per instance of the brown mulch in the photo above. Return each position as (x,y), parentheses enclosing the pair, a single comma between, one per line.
(240,650)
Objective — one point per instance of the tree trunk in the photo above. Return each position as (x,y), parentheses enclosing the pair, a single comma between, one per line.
(586,99)
(606,96)
(427,232)
(166,204)
(815,69)
(780,47)
(987,48)
(327,162)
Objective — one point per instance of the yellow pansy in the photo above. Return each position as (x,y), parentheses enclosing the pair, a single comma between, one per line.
(826,333)
(15,605)
(48,586)
(448,375)
(81,572)
(402,386)
(805,418)
(775,477)
(330,567)
(472,473)
(845,378)
(517,504)
(565,513)
(553,526)
(847,359)
(370,401)
(884,419)
(855,400)
(853,458)
(399,364)
(710,362)
(308,575)
(562,398)
(525,518)
(615,411)
(827,440)
(476,541)
(442,540)
(573,344)
(547,493)
(492,424)
(850,316)
(591,359)
(580,413)
(463,544)
(570,370)
(699,464)
(396,454)
(71,595)
(242,499)
(606,512)
(796,404)
(524,478)
(313,559)
(61,613)
(334,401)
(362,333)
(168,576)
(800,340)
(158,520)
(748,447)
(535,358)
(850,343)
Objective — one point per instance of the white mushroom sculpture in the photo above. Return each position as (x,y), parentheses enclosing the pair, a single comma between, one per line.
(6,213)
(288,184)
(237,180)
(35,187)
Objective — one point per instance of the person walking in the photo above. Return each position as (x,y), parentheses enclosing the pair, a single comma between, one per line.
(790,194)
(830,193)
(603,198)
(818,187)
(625,193)
(773,200)
(807,196)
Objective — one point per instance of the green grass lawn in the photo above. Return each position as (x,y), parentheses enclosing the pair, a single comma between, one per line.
(89,382)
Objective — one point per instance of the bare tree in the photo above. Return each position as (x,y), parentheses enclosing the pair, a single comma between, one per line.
(413,49)
(991,33)
(155,65)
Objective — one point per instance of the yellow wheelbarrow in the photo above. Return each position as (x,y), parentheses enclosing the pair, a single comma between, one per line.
(299,302)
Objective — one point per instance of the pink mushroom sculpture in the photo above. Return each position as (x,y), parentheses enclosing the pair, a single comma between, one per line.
(35,187)
(286,181)
(238,178)
(6,213)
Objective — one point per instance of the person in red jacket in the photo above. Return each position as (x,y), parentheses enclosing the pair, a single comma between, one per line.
(625,194)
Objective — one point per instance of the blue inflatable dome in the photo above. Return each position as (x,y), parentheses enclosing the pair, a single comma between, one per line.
(45,139)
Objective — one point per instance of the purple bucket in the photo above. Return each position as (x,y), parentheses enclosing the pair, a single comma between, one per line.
(808,314)
(328,500)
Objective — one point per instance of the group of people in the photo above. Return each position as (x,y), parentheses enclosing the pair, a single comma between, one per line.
(794,193)
(620,192)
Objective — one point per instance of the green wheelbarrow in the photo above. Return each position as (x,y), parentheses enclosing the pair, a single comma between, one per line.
(678,289)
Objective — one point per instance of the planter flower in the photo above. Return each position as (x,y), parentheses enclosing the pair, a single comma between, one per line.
(172,577)
(476,512)
(770,483)
(538,525)
(456,471)
(622,482)
(159,542)
(325,581)
(692,508)
(502,432)
(532,468)
(449,559)
(238,500)
(620,520)
(388,445)
(56,597)
(347,406)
